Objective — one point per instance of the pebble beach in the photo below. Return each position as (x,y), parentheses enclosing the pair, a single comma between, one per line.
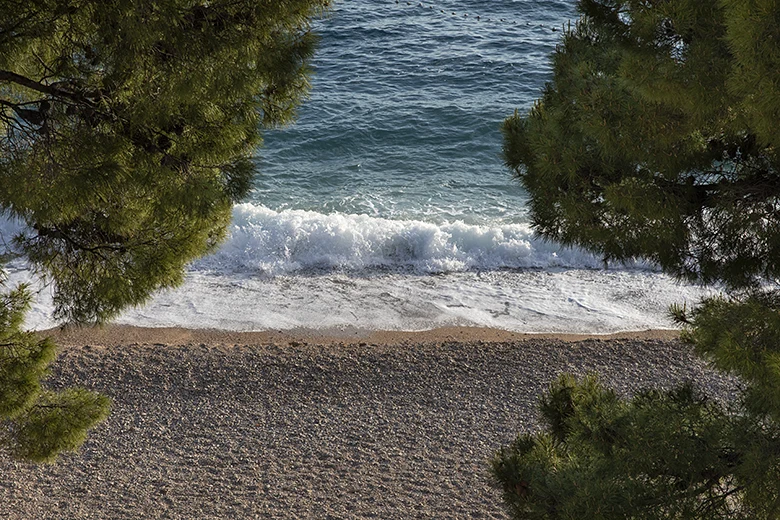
(210,424)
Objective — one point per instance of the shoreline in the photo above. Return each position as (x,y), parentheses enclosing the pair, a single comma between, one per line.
(112,335)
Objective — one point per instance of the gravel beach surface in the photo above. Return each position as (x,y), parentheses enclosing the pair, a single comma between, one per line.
(296,429)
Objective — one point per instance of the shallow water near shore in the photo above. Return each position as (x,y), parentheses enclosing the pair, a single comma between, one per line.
(387,206)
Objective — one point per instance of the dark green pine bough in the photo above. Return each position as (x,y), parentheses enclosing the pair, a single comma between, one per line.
(126,134)
(659,138)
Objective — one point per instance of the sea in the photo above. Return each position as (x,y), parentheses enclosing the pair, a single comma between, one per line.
(387,206)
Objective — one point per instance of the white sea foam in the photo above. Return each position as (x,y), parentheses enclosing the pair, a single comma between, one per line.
(290,269)
(554,300)
(283,242)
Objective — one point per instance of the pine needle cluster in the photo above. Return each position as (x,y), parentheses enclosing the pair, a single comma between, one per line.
(35,423)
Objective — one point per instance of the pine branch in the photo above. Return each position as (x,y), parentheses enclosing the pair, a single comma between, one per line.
(6,75)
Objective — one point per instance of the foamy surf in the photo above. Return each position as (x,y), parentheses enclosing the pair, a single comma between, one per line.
(303,269)
(269,242)
(531,300)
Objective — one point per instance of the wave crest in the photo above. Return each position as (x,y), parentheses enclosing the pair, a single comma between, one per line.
(280,242)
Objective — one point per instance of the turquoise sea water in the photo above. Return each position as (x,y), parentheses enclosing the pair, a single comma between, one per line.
(403,121)
(387,206)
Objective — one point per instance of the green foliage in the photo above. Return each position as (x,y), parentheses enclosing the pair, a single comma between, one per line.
(652,140)
(127,129)
(23,357)
(36,424)
(742,336)
(658,138)
(57,422)
(661,455)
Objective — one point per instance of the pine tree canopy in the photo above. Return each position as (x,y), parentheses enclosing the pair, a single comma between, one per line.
(127,129)
(658,138)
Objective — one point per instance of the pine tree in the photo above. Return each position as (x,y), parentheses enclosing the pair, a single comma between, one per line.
(35,423)
(658,138)
(127,130)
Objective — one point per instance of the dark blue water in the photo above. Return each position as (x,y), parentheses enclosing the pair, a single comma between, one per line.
(403,120)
